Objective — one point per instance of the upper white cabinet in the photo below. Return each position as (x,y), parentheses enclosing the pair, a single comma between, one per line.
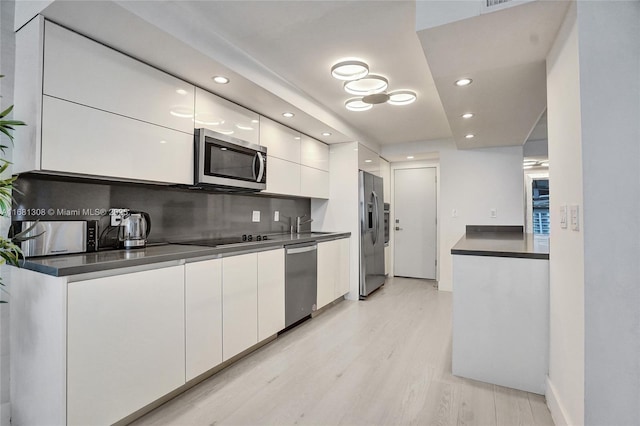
(94,111)
(281,141)
(83,71)
(385,174)
(220,115)
(125,344)
(314,153)
(203,316)
(368,160)
(314,183)
(239,304)
(283,177)
(270,293)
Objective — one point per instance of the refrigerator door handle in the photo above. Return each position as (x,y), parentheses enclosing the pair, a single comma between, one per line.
(376,220)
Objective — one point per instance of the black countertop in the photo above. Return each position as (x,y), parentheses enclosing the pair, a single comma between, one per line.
(503,244)
(82,263)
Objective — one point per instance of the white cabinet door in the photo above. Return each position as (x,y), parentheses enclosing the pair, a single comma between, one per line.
(203,316)
(343,275)
(281,141)
(314,153)
(385,174)
(327,272)
(239,304)
(270,293)
(314,183)
(83,71)
(77,139)
(368,160)
(220,115)
(125,346)
(283,177)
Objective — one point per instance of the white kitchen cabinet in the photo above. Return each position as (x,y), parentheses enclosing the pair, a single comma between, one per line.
(314,153)
(203,316)
(80,70)
(239,304)
(77,139)
(281,141)
(283,177)
(125,343)
(368,160)
(218,114)
(270,293)
(333,270)
(385,174)
(314,183)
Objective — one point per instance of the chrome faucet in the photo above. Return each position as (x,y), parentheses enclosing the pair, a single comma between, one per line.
(299,222)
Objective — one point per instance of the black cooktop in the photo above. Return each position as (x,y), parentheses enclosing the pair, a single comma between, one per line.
(214,242)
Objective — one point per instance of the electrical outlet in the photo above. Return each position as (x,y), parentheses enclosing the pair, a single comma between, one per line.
(454,213)
(276,216)
(255,217)
(117,215)
(493,213)
(563,216)
(575,217)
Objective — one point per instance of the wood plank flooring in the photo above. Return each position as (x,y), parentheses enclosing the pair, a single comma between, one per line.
(385,361)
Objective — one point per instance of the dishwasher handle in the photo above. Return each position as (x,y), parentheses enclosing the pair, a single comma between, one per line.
(297,250)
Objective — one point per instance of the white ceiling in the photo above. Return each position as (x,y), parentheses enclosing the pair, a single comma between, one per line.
(278,55)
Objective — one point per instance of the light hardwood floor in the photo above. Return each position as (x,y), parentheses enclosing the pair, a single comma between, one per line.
(385,361)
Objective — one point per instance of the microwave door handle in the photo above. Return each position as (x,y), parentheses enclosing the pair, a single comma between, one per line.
(261,171)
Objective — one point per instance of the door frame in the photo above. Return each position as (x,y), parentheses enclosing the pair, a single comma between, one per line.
(392,215)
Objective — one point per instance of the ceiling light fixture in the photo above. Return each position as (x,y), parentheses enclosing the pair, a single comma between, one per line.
(357,104)
(369,85)
(467,115)
(326,133)
(288,114)
(350,70)
(463,82)
(220,79)
(402,97)
(470,136)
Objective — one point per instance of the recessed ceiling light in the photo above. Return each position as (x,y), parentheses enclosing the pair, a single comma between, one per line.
(368,161)
(470,136)
(467,115)
(254,121)
(368,85)
(350,70)
(463,82)
(402,97)
(326,133)
(220,79)
(163,141)
(297,138)
(288,114)
(181,92)
(410,157)
(356,104)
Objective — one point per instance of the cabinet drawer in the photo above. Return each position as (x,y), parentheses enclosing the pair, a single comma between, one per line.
(81,70)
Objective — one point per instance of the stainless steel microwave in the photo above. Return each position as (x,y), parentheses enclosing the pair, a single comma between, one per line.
(227,163)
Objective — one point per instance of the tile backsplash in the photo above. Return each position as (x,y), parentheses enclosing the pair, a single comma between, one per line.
(176,214)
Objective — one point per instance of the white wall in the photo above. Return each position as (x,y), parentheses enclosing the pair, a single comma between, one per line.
(609,55)
(472,182)
(566,257)
(7,59)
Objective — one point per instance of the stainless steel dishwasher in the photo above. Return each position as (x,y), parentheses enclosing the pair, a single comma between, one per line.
(300,283)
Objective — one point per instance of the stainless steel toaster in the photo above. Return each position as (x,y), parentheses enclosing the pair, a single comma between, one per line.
(59,237)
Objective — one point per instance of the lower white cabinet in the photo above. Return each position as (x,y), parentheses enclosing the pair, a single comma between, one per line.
(270,293)
(239,303)
(125,343)
(333,270)
(203,316)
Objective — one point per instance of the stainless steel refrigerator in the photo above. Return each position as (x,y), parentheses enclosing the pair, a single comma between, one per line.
(371,234)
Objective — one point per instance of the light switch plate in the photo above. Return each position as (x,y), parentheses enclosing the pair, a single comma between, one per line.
(276,216)
(563,216)
(575,217)
(493,213)
(255,217)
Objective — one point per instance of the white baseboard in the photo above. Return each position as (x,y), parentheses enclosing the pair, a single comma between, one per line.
(558,413)
(5,414)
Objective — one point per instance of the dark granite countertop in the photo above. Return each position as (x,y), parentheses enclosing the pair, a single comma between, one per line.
(82,263)
(503,244)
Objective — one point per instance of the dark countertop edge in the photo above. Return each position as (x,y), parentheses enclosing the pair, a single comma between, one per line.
(211,252)
(489,253)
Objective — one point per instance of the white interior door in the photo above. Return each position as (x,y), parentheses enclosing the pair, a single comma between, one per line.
(415,223)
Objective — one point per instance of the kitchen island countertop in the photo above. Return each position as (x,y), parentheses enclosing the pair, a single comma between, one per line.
(503,244)
(83,263)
